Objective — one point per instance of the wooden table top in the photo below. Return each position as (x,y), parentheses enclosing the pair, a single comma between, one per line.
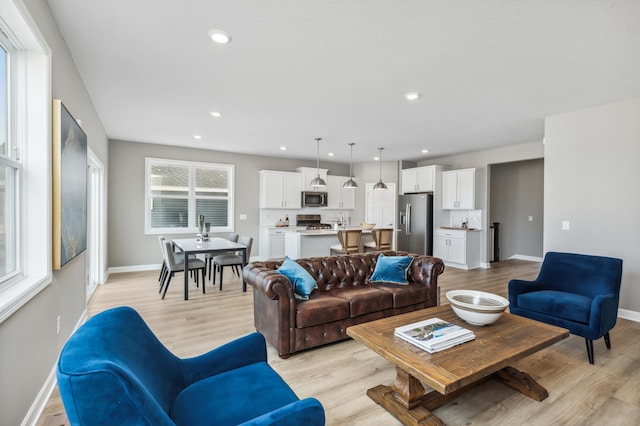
(496,346)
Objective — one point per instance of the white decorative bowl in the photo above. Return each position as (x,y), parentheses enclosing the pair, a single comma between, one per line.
(367,226)
(477,307)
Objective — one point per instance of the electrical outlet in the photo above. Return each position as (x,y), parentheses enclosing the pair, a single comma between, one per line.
(566,225)
(243,217)
(58,325)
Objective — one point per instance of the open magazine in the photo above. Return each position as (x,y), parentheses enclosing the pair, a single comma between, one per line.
(434,334)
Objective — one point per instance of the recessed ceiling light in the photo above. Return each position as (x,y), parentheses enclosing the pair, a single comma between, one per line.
(197,137)
(412,96)
(376,158)
(216,114)
(283,148)
(219,36)
(425,151)
(331,154)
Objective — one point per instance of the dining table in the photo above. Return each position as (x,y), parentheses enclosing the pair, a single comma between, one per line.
(190,246)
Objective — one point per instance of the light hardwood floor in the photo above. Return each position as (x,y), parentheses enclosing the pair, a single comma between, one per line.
(339,374)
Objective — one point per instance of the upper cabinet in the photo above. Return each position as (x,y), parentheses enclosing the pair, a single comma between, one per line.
(280,190)
(419,179)
(337,196)
(310,173)
(459,189)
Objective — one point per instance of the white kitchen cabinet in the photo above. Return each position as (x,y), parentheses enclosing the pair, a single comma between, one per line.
(280,190)
(272,242)
(310,173)
(457,248)
(459,189)
(339,197)
(419,179)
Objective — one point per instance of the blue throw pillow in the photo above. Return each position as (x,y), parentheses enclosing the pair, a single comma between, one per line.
(391,269)
(303,282)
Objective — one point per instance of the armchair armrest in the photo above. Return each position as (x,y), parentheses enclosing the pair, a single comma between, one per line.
(518,287)
(238,353)
(308,412)
(604,313)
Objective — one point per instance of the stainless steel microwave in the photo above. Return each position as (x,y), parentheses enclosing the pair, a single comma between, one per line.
(314,199)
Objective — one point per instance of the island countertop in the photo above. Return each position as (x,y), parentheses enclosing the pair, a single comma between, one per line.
(312,232)
(303,243)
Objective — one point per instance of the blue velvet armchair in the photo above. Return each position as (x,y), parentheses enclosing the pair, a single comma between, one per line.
(574,291)
(114,371)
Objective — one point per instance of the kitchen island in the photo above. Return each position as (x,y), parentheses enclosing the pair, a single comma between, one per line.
(315,242)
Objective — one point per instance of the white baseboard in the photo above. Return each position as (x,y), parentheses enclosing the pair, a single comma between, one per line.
(629,315)
(152,267)
(36,409)
(485,265)
(524,257)
(134,268)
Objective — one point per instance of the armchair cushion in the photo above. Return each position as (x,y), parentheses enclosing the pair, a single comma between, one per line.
(568,306)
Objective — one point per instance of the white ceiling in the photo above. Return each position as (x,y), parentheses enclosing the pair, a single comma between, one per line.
(488,71)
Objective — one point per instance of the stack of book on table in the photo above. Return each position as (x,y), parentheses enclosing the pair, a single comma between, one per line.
(434,334)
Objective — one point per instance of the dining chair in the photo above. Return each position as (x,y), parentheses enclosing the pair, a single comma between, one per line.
(349,242)
(233,260)
(233,237)
(381,240)
(173,267)
(163,268)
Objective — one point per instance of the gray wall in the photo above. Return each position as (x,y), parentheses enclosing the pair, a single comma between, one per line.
(592,180)
(481,161)
(517,192)
(29,345)
(128,245)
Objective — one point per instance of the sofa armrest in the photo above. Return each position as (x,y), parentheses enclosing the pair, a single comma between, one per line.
(425,270)
(308,412)
(268,281)
(246,350)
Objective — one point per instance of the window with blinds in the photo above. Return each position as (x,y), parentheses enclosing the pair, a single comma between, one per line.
(179,191)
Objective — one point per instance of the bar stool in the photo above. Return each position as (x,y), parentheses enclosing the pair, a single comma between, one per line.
(381,240)
(349,242)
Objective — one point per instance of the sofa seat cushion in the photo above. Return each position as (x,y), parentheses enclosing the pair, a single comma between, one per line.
(319,309)
(222,399)
(404,295)
(364,300)
(560,304)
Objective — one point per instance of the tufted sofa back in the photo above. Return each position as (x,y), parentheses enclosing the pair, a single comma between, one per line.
(338,272)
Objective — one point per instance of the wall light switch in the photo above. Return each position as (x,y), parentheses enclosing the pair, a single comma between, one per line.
(243,217)
(566,225)
(530,218)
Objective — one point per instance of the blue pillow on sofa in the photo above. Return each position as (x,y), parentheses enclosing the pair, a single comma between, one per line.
(303,282)
(391,269)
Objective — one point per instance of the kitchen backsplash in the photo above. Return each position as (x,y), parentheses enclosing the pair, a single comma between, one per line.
(473,218)
(269,217)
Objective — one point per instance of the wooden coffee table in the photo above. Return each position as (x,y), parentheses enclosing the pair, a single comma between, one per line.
(454,370)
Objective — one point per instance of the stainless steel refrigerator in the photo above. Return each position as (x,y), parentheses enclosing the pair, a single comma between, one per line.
(415,220)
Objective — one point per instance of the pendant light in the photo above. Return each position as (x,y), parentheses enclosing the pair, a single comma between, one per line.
(351,184)
(318,181)
(380,185)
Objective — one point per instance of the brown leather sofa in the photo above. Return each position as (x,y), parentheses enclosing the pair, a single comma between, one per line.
(344,297)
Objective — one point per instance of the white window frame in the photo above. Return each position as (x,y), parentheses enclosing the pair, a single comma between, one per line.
(30,106)
(191,226)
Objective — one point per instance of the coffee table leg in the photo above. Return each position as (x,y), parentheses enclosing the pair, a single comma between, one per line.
(403,398)
(522,382)
(408,390)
